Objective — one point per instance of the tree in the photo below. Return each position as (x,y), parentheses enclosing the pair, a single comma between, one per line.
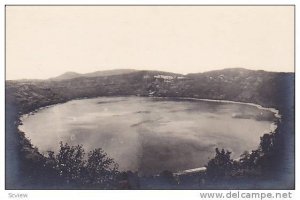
(245,159)
(70,162)
(167,176)
(249,160)
(128,180)
(72,168)
(100,169)
(220,165)
(266,143)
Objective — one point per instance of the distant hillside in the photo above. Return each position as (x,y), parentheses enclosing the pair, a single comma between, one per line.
(270,89)
(67,75)
(71,75)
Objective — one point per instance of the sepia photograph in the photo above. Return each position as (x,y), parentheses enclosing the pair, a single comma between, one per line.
(149,97)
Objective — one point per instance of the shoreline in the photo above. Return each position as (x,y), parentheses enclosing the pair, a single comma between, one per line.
(273,110)
(181,172)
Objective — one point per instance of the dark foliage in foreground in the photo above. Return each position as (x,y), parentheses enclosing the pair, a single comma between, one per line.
(269,163)
(26,168)
(219,166)
(70,168)
(98,171)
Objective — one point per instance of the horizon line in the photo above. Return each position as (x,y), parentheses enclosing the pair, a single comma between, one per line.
(79,73)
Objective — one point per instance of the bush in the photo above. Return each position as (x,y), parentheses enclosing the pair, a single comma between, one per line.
(70,165)
(220,165)
(100,169)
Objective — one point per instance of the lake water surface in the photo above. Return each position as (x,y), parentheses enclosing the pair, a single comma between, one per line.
(150,135)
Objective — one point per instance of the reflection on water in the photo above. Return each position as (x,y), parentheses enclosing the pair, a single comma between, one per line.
(150,135)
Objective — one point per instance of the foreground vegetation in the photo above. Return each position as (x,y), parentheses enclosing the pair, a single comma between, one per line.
(270,166)
(72,168)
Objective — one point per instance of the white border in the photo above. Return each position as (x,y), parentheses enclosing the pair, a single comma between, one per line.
(124,195)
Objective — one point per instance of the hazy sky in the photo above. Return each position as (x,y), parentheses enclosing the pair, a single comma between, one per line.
(43,42)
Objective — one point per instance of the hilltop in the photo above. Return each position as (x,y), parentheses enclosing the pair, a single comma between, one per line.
(71,75)
(270,89)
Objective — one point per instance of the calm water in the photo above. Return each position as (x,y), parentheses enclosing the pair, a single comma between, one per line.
(150,134)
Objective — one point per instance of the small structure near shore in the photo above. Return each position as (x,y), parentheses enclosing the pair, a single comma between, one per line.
(190,171)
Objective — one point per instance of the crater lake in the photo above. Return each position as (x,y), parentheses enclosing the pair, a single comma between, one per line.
(148,134)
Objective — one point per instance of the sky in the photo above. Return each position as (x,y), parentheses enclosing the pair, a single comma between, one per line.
(46,41)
